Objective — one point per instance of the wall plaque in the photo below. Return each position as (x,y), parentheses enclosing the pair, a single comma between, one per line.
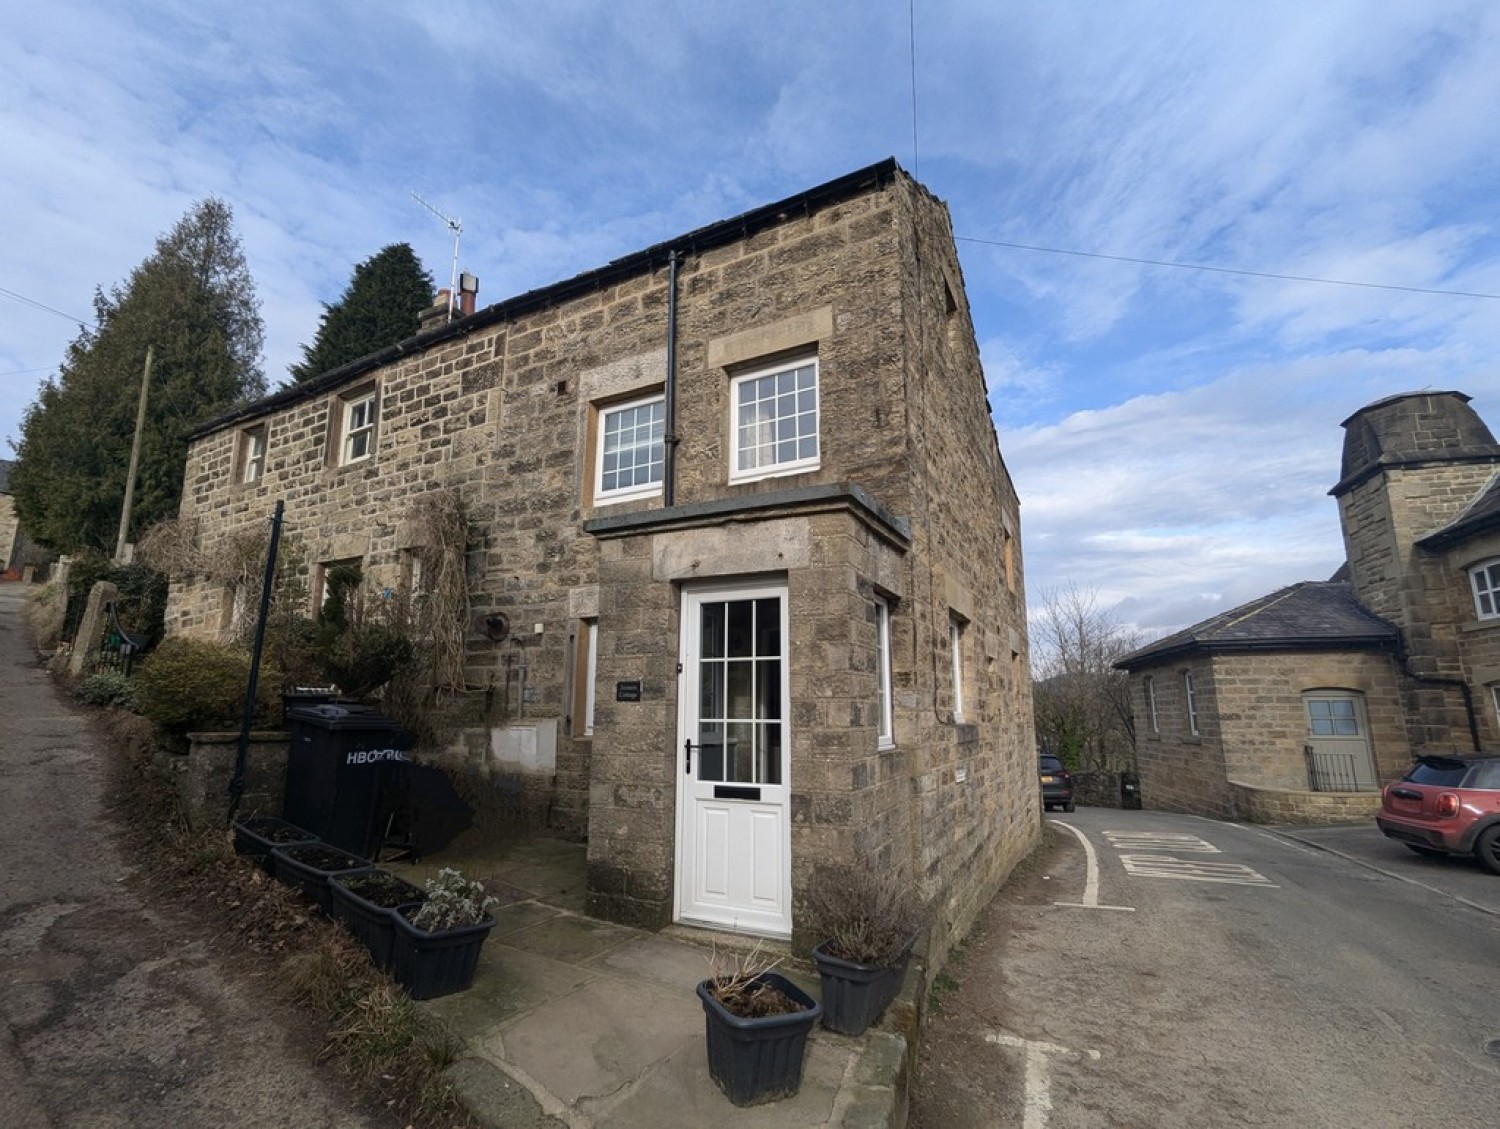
(628,691)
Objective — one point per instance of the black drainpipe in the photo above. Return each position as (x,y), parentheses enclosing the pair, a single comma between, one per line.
(1432,680)
(669,453)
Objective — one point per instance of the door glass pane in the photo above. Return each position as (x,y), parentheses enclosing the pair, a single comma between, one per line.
(1332,717)
(741,678)
(770,753)
(741,639)
(710,752)
(768,674)
(711,690)
(712,643)
(768,626)
(740,752)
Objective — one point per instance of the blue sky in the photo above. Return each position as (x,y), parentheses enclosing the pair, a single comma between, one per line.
(1173,433)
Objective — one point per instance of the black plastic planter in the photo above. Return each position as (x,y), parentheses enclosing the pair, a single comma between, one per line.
(259,835)
(758,1060)
(437,963)
(855,994)
(309,868)
(372,918)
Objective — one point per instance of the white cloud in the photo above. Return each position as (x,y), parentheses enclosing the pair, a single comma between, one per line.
(1173,433)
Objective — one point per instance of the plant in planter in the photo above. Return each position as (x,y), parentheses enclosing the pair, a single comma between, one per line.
(868,917)
(257,836)
(310,866)
(365,904)
(756,1022)
(436,944)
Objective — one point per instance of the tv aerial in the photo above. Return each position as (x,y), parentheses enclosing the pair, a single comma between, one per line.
(456,226)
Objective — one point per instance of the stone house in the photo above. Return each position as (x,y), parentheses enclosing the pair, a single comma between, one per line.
(19,555)
(1299,706)
(750,580)
(10,526)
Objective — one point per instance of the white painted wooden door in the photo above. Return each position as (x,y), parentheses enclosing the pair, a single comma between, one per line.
(733,826)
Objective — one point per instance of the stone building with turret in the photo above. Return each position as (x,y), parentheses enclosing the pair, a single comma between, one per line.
(1300,705)
(745,577)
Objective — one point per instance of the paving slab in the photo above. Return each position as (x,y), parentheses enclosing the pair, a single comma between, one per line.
(570,937)
(655,959)
(520,915)
(508,982)
(680,1091)
(597,1041)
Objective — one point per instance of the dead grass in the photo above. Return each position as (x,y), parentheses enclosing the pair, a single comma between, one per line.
(369,1027)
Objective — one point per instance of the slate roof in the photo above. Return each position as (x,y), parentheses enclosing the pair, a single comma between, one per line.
(640,262)
(1315,615)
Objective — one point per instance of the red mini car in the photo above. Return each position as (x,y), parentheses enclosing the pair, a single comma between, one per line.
(1447,805)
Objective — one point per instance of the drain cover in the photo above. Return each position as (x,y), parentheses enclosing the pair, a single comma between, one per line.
(1492,1048)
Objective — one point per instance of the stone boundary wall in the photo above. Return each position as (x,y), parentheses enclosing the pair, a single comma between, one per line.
(1097,789)
(202,775)
(1267,805)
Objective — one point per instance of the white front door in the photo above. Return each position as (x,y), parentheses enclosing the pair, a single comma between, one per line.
(733,831)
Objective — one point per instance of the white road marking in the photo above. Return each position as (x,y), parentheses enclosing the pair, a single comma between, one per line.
(1038,1094)
(1194,870)
(1091,875)
(1165,840)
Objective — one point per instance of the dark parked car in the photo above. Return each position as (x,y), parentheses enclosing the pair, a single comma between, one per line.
(1057,784)
(1446,805)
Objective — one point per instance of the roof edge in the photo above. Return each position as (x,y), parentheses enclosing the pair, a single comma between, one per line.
(705,238)
(1146,657)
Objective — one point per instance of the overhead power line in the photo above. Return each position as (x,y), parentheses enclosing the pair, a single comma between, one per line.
(1226,270)
(43,306)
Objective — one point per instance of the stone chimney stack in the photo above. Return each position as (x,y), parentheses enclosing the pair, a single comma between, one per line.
(468,293)
(435,314)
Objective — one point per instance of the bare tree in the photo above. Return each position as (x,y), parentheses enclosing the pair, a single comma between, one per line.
(1082,703)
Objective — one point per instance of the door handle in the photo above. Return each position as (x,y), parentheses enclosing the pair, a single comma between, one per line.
(687,753)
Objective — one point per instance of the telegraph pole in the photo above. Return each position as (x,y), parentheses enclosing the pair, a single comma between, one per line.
(135,458)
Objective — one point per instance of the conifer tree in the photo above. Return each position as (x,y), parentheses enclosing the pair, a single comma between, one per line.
(193,302)
(381,305)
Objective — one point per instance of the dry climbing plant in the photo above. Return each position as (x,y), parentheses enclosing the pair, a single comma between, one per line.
(422,697)
(238,561)
(441,611)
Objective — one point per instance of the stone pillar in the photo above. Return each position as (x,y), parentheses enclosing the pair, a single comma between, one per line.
(91,628)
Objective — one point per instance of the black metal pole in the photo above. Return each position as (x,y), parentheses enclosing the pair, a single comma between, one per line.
(237,781)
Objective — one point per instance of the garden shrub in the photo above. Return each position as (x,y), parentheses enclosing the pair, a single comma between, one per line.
(187,685)
(107,688)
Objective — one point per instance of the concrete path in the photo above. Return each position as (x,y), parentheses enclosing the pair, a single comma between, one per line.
(581,1023)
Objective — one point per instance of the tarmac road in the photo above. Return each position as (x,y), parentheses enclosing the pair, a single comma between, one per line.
(1206,974)
(115,1011)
